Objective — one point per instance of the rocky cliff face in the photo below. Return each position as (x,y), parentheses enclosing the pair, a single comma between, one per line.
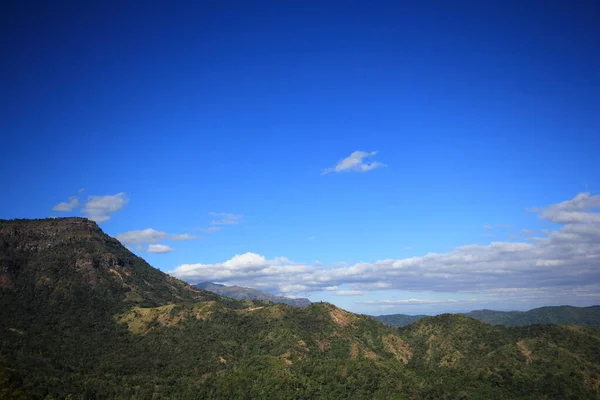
(39,234)
(55,257)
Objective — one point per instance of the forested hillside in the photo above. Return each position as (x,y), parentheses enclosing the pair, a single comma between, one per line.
(566,315)
(81,316)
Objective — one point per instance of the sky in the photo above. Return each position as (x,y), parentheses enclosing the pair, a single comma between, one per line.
(387,157)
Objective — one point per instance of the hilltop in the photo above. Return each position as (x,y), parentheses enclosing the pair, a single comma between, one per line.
(82,316)
(566,315)
(245,293)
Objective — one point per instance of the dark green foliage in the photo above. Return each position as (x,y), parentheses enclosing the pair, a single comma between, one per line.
(585,316)
(567,315)
(398,320)
(83,317)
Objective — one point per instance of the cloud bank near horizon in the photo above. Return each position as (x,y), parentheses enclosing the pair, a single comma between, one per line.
(565,262)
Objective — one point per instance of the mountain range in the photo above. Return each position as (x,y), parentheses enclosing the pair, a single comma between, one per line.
(81,317)
(568,315)
(245,293)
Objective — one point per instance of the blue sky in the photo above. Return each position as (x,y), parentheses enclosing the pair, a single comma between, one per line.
(455,120)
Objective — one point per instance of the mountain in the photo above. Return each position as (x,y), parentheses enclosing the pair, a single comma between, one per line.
(567,315)
(83,318)
(555,359)
(398,319)
(244,293)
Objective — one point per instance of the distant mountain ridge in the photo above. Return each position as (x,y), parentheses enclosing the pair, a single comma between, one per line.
(561,315)
(245,293)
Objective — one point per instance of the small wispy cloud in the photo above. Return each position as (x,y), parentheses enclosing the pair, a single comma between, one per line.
(497,226)
(355,163)
(528,231)
(183,236)
(349,293)
(407,301)
(151,236)
(67,206)
(142,236)
(159,249)
(339,264)
(225,218)
(212,229)
(95,208)
(100,208)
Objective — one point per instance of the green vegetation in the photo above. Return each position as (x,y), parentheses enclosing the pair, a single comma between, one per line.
(83,318)
(399,320)
(567,315)
(585,316)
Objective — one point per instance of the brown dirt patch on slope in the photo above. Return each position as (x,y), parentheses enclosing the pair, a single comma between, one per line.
(341,317)
(525,351)
(398,347)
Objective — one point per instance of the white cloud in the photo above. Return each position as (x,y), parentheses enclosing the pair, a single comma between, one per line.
(407,301)
(225,218)
(142,236)
(355,162)
(212,229)
(340,264)
(417,303)
(159,248)
(151,236)
(99,208)
(528,232)
(349,293)
(67,206)
(574,211)
(368,286)
(553,265)
(183,236)
(497,226)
